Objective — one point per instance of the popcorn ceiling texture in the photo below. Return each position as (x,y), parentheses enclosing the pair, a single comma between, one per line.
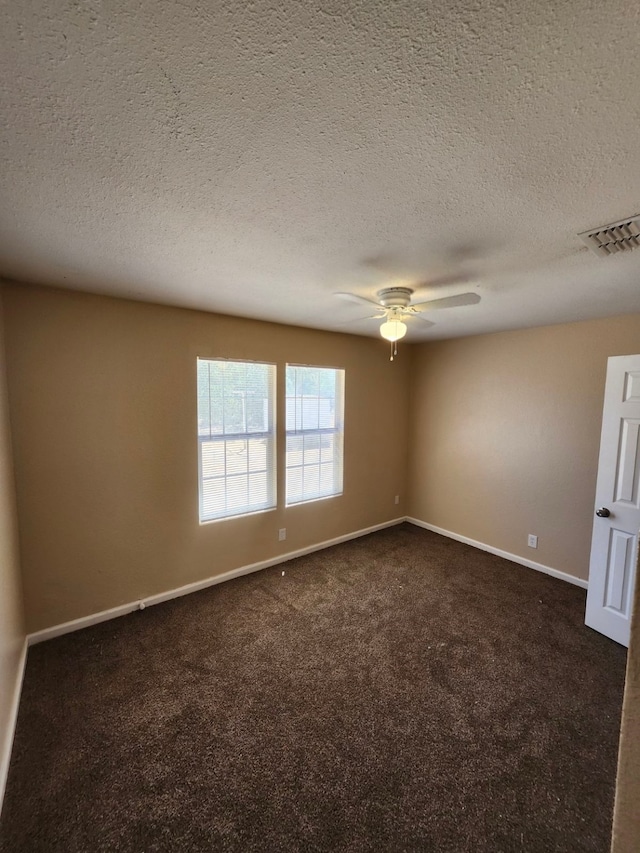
(254,158)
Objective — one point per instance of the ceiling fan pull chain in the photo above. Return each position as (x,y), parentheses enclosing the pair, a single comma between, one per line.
(391,345)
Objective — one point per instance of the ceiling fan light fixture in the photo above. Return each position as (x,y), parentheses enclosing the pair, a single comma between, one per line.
(393,330)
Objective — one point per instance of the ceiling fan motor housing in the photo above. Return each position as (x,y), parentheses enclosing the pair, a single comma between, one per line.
(395,297)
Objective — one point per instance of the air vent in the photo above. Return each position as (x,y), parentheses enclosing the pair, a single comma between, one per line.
(617,237)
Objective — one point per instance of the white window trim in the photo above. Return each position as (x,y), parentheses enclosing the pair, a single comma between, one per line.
(337,430)
(272,435)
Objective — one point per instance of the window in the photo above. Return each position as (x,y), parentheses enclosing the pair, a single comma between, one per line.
(315,416)
(236,437)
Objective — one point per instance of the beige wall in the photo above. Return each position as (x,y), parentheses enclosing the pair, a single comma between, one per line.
(504,435)
(103,403)
(12,633)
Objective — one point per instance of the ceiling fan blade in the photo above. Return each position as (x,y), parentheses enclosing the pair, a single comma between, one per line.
(424,323)
(449,301)
(353,320)
(353,297)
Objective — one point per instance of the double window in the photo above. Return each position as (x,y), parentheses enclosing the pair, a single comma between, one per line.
(237,435)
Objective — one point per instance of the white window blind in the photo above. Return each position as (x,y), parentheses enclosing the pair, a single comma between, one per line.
(315,432)
(236,437)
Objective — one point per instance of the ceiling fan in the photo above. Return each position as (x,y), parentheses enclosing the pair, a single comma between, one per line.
(394,306)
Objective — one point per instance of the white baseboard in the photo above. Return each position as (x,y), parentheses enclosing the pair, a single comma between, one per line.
(514,558)
(129,607)
(123,609)
(7,741)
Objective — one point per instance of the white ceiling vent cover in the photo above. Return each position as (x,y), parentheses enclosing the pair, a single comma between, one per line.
(617,237)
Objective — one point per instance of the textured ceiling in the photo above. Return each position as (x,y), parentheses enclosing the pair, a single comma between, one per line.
(254,158)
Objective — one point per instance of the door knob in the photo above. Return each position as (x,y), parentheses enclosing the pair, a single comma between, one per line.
(603,512)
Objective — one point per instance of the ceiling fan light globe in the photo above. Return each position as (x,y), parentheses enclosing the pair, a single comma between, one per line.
(393,330)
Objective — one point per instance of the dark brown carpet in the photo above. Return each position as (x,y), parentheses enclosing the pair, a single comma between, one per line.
(398,692)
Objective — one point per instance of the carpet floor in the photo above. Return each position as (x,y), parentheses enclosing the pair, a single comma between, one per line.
(399,692)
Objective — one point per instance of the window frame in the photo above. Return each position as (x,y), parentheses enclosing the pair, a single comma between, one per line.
(337,431)
(271,436)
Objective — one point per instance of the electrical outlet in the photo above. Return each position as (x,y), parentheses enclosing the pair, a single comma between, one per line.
(282,534)
(532,541)
(397,500)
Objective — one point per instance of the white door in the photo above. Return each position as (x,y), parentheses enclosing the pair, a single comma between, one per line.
(614,546)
